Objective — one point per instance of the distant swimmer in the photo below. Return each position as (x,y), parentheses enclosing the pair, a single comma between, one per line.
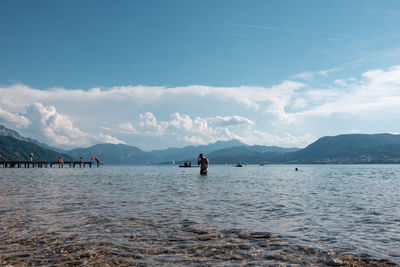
(203,162)
(296,169)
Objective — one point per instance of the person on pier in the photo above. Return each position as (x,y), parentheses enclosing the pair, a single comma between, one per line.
(60,162)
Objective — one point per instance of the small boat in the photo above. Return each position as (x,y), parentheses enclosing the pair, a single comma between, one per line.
(187,164)
(183,166)
(239,164)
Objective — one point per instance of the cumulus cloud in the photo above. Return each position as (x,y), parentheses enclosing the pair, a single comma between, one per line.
(290,110)
(58,128)
(19,96)
(376,93)
(310,75)
(46,124)
(382,77)
(105,138)
(195,130)
(126,128)
(195,125)
(181,121)
(150,124)
(284,139)
(147,125)
(230,121)
(206,126)
(13,119)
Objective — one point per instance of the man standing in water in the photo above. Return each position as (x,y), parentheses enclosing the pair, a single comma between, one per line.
(203,162)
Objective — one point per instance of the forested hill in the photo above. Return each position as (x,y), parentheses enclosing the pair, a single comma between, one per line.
(247,154)
(114,154)
(4,131)
(13,149)
(125,154)
(347,148)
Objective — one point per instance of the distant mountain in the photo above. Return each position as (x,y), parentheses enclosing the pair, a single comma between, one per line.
(4,131)
(113,154)
(347,148)
(13,149)
(191,152)
(125,154)
(247,154)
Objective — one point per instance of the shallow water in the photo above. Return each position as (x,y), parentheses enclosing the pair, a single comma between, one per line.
(163,215)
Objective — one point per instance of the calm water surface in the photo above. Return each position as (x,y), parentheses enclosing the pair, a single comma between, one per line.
(162,215)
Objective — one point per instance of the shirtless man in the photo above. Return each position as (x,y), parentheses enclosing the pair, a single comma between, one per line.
(203,162)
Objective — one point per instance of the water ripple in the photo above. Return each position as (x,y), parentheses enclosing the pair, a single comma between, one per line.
(152,216)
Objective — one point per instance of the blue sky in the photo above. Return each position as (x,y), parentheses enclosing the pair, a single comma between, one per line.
(158,74)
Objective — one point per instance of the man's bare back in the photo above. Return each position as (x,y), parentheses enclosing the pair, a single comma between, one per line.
(203,162)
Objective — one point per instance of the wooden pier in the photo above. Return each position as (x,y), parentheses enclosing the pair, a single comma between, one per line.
(47,164)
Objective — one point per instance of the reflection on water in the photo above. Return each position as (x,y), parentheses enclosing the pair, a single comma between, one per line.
(256,215)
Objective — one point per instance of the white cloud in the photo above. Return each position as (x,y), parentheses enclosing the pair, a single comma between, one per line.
(210,126)
(325,72)
(13,119)
(150,126)
(382,77)
(54,126)
(193,130)
(230,121)
(340,82)
(197,125)
(300,103)
(19,96)
(192,114)
(46,124)
(195,140)
(181,121)
(126,128)
(307,75)
(310,75)
(147,125)
(105,138)
(285,139)
(375,94)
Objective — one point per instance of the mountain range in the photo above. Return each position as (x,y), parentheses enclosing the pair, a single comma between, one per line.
(347,148)
(4,131)
(13,149)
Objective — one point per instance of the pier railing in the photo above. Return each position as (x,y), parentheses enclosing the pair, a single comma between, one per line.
(47,164)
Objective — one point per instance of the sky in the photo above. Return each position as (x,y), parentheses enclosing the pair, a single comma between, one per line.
(159,74)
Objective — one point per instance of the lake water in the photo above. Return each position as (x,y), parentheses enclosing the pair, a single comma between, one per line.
(165,215)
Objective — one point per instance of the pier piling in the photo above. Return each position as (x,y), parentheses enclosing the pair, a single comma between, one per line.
(45,164)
